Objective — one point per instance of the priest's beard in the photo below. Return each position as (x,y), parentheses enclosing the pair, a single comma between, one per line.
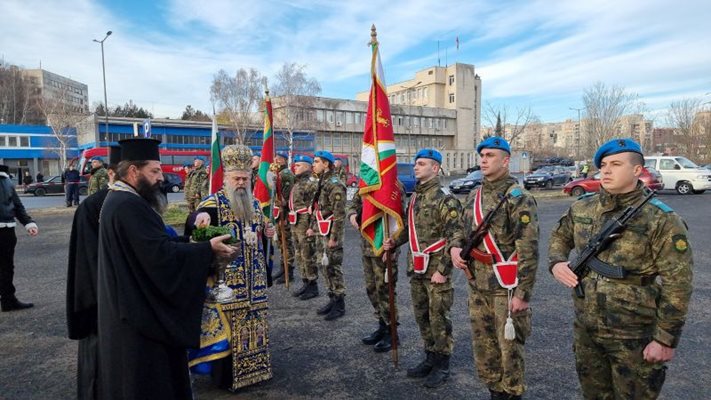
(152,194)
(241,202)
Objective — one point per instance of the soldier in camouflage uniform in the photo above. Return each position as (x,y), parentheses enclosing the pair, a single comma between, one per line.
(340,171)
(300,202)
(625,329)
(494,297)
(99,176)
(327,227)
(435,213)
(374,269)
(284,184)
(187,168)
(198,183)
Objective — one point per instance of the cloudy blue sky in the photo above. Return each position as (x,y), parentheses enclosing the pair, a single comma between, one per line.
(542,54)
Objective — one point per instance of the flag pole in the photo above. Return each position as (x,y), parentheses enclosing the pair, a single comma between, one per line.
(268,254)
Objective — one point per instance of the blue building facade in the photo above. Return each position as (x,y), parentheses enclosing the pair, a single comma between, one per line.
(33,149)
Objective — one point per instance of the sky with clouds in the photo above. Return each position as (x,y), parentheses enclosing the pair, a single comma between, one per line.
(543,54)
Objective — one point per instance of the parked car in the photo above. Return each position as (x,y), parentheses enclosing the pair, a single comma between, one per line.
(54,185)
(406,175)
(680,174)
(473,168)
(650,177)
(352,180)
(172,182)
(466,184)
(547,177)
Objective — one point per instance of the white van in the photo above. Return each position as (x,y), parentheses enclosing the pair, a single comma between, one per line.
(680,174)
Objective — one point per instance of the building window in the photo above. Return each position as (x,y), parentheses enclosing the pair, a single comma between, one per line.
(444,124)
(415,121)
(12,141)
(319,115)
(329,116)
(451,97)
(451,80)
(336,141)
(24,141)
(424,93)
(349,117)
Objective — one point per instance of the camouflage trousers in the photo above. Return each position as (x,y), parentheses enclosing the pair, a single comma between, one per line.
(286,229)
(377,289)
(305,249)
(499,362)
(431,303)
(615,368)
(333,272)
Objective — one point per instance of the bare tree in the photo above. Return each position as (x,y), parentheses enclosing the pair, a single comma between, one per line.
(604,108)
(14,95)
(294,95)
(682,116)
(512,122)
(62,116)
(240,97)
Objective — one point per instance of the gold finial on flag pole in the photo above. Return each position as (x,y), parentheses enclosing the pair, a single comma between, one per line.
(373,36)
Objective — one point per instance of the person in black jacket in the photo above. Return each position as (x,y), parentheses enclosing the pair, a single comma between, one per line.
(10,208)
(71,186)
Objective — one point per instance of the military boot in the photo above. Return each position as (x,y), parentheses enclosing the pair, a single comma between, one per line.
(338,309)
(439,373)
(512,396)
(385,344)
(327,308)
(422,369)
(375,337)
(282,279)
(310,292)
(302,289)
(279,273)
(11,304)
(498,395)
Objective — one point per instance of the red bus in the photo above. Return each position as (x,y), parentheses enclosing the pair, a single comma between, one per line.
(171,160)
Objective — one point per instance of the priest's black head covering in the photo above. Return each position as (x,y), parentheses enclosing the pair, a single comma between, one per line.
(140,149)
(114,156)
(4,168)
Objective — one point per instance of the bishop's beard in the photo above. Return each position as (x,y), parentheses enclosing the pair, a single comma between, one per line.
(152,194)
(241,202)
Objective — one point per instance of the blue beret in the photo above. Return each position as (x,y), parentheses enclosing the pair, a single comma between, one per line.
(303,158)
(432,154)
(616,146)
(494,142)
(201,158)
(97,158)
(187,165)
(282,155)
(325,155)
(256,153)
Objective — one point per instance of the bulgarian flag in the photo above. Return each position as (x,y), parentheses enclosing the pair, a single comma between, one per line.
(215,160)
(262,186)
(382,207)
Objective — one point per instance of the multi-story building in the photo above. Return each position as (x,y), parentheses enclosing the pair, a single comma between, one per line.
(33,149)
(50,87)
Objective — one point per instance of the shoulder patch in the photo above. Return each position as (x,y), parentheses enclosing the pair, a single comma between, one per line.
(586,195)
(659,204)
(680,243)
(516,192)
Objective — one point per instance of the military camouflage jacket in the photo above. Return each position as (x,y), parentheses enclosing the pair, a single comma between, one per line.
(186,185)
(355,207)
(331,201)
(654,244)
(436,215)
(340,172)
(303,191)
(285,183)
(514,227)
(198,183)
(99,180)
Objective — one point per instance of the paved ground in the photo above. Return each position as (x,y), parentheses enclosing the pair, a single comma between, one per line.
(313,358)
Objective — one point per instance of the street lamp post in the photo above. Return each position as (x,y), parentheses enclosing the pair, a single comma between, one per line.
(409,109)
(577,139)
(103,70)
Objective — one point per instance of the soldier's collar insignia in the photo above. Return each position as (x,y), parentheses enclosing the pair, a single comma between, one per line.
(680,243)
(453,214)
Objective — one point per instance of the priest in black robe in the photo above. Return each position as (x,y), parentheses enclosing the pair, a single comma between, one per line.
(81,284)
(150,289)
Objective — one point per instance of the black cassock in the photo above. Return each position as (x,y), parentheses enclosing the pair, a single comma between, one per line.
(150,296)
(81,291)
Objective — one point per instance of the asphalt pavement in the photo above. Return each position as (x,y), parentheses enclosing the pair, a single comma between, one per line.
(314,359)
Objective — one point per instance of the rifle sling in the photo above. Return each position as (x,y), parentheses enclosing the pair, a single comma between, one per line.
(630,279)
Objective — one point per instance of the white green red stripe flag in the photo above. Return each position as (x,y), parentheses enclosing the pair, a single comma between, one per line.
(382,206)
(215,159)
(263,185)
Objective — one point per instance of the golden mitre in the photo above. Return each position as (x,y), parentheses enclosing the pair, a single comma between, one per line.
(237,157)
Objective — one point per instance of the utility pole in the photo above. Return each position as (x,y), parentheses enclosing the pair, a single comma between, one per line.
(106,104)
(577,133)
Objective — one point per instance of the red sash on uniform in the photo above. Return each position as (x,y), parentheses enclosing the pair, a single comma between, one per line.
(324,224)
(292,212)
(420,259)
(506,270)
(277,212)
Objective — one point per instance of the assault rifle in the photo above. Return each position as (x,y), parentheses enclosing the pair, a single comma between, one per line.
(612,230)
(477,236)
